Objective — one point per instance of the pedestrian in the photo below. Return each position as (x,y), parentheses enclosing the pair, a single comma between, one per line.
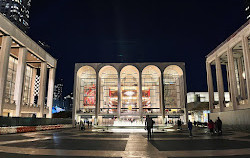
(81,125)
(190,127)
(219,126)
(88,123)
(148,126)
(179,124)
(194,123)
(211,126)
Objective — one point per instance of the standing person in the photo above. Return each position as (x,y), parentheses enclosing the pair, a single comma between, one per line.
(179,124)
(149,125)
(219,126)
(81,125)
(88,123)
(190,127)
(211,126)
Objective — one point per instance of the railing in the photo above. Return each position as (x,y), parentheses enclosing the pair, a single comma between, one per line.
(151,110)
(108,110)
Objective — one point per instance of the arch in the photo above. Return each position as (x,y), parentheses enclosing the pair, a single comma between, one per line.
(151,83)
(107,71)
(129,90)
(108,88)
(173,69)
(84,70)
(87,89)
(173,87)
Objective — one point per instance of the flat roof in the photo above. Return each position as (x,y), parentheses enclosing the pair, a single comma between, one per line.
(229,38)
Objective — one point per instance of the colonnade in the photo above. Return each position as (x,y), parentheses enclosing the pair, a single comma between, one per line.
(238,75)
(5,54)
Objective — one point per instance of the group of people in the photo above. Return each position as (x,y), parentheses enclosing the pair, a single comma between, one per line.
(215,127)
(82,124)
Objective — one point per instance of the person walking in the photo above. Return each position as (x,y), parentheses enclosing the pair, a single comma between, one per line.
(148,126)
(211,126)
(190,127)
(179,124)
(219,126)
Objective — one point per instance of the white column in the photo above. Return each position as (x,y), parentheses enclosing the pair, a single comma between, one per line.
(32,87)
(51,82)
(42,88)
(210,86)
(140,95)
(233,83)
(162,95)
(21,66)
(228,83)
(246,55)
(220,85)
(242,83)
(4,63)
(97,97)
(119,96)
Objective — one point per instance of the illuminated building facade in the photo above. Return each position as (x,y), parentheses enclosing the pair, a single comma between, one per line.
(108,93)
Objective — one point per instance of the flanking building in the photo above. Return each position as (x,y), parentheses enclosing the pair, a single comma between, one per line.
(25,71)
(122,94)
(228,67)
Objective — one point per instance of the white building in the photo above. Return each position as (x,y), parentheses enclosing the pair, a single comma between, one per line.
(232,57)
(23,74)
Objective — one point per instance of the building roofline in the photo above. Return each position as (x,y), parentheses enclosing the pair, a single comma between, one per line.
(229,38)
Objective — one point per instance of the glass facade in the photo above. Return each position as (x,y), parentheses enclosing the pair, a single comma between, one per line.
(11,79)
(151,81)
(108,81)
(27,85)
(172,88)
(129,90)
(122,95)
(88,90)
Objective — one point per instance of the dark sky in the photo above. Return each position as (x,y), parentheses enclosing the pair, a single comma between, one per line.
(140,30)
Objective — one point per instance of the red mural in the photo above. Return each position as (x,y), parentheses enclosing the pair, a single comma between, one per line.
(89,96)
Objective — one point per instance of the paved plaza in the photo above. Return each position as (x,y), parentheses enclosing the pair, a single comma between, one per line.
(74,143)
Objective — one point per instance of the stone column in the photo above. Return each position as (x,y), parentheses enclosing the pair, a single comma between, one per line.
(140,95)
(242,83)
(4,63)
(119,96)
(97,108)
(32,87)
(163,95)
(42,88)
(220,85)
(51,82)
(233,83)
(210,86)
(246,55)
(20,73)
(228,83)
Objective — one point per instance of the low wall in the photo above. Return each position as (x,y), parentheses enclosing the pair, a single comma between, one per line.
(29,121)
(239,119)
(23,129)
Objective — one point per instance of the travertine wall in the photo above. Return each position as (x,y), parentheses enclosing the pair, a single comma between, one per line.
(235,119)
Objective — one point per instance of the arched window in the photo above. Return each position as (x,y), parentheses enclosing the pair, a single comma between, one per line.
(87,89)
(129,90)
(108,82)
(173,87)
(151,89)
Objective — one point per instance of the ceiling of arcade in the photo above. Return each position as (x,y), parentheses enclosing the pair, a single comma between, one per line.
(31,59)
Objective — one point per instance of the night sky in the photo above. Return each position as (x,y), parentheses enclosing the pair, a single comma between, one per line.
(139,30)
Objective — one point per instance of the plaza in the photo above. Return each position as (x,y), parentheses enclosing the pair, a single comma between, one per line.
(165,144)
(122,94)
